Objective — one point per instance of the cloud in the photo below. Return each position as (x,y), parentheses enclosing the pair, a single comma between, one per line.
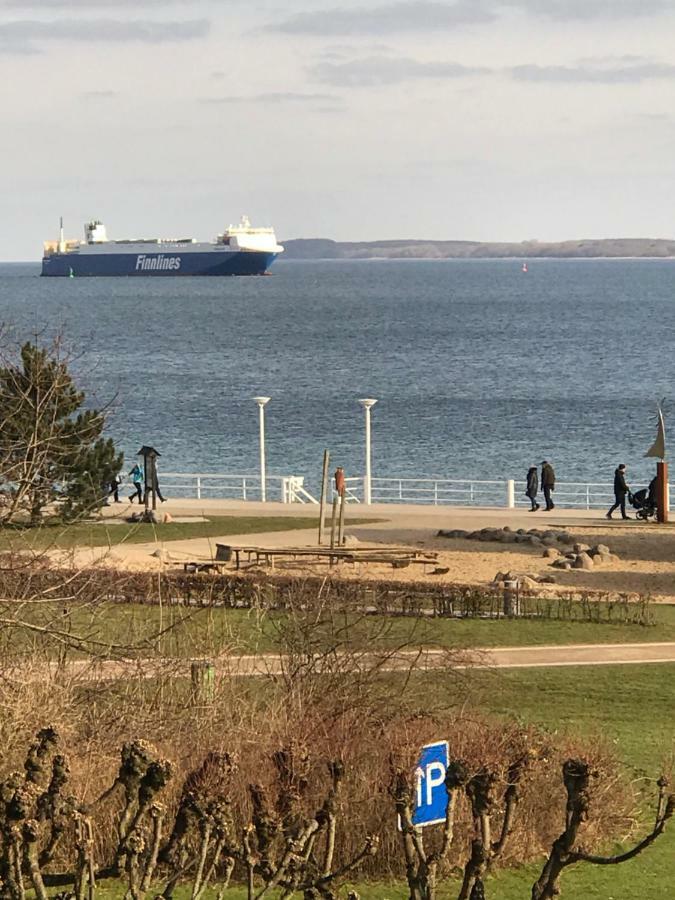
(585,10)
(23,33)
(584,74)
(99,95)
(277,97)
(381,70)
(409,16)
(429,15)
(89,5)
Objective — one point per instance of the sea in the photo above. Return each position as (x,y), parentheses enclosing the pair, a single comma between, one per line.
(479,369)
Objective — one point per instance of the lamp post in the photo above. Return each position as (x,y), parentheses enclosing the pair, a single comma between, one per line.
(367,403)
(262,402)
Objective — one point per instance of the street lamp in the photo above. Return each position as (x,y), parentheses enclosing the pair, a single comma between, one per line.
(367,404)
(262,402)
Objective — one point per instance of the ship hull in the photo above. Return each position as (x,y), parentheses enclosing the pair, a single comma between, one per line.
(166,263)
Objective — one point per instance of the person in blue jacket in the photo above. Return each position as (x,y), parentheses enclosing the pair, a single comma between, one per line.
(137,479)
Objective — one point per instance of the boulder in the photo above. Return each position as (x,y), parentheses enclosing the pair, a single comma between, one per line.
(551,553)
(581,548)
(520,531)
(565,538)
(547,579)
(534,540)
(562,563)
(350,540)
(602,548)
(583,561)
(527,581)
(506,528)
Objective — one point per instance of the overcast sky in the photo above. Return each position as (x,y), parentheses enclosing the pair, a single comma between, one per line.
(455,119)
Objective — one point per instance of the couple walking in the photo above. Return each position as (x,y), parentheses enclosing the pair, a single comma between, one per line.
(547,485)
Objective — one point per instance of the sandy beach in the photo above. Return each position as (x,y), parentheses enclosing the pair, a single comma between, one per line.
(643,563)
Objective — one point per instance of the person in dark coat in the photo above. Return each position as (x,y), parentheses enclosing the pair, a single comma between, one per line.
(532,487)
(620,491)
(547,484)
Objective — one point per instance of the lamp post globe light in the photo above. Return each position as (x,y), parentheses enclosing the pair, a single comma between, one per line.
(262,402)
(367,403)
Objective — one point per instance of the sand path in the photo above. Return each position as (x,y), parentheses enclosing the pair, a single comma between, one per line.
(646,551)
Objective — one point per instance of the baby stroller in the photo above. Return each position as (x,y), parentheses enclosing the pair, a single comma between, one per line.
(644,502)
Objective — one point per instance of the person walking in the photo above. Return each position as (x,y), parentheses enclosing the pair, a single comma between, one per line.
(137,479)
(547,483)
(621,489)
(114,488)
(532,487)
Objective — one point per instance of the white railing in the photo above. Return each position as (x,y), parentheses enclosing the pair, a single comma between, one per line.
(426,491)
(438,491)
(278,488)
(574,495)
(506,493)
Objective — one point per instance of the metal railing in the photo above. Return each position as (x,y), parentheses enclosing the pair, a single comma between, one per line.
(279,488)
(505,493)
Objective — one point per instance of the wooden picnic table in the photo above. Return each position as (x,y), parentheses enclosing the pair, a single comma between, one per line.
(333,554)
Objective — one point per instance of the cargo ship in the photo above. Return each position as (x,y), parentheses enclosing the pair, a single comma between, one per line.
(240,250)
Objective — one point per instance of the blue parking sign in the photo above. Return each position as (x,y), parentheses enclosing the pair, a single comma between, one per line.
(431,794)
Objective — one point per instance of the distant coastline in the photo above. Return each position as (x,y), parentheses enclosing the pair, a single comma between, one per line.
(608,248)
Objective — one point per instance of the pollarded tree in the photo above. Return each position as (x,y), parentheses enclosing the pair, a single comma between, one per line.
(52,454)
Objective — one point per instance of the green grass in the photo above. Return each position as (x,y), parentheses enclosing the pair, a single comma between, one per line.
(88,534)
(208,631)
(629,705)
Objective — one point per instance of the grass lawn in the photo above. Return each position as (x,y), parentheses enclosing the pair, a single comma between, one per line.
(89,534)
(189,632)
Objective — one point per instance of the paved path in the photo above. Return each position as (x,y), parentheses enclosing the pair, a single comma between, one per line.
(272,663)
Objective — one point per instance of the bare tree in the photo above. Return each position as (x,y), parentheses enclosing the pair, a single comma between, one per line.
(577,777)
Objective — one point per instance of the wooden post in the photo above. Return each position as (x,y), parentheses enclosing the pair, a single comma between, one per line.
(203,677)
(154,482)
(146,488)
(324,493)
(341,526)
(333,523)
(662,500)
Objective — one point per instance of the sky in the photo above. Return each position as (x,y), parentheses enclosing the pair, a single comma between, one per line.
(442,119)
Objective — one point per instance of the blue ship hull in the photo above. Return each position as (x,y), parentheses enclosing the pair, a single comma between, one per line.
(168,262)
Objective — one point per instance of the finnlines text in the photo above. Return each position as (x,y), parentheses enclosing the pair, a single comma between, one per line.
(157,262)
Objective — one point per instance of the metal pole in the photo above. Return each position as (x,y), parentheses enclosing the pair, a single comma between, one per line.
(662,491)
(511,494)
(341,522)
(324,491)
(367,404)
(262,402)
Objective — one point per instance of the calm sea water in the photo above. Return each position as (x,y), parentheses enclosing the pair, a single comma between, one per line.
(479,369)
